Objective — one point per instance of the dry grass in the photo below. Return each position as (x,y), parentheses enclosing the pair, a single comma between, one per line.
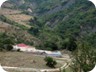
(20,59)
(3,24)
(15,15)
(5,11)
(20,18)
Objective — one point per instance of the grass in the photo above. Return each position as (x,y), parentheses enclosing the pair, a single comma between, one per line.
(20,18)
(16,16)
(68,69)
(6,11)
(20,59)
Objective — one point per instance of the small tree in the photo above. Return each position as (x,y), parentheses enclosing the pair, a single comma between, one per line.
(69,44)
(50,62)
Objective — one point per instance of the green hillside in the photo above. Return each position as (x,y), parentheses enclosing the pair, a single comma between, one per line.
(59,24)
(76,22)
(68,26)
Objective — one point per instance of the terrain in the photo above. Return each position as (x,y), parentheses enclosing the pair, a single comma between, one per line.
(49,25)
(53,22)
(14,24)
(23,61)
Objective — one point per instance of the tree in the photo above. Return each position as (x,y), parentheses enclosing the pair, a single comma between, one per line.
(84,58)
(6,42)
(51,44)
(9,47)
(69,44)
(34,30)
(50,62)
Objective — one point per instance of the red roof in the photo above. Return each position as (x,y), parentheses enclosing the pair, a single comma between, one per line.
(22,45)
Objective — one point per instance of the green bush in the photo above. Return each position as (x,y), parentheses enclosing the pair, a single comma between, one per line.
(9,47)
(50,62)
(6,42)
(18,50)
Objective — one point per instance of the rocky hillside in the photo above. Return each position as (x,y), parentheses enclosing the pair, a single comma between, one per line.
(39,7)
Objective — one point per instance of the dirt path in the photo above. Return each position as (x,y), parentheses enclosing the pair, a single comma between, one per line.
(40,70)
(21,69)
(33,69)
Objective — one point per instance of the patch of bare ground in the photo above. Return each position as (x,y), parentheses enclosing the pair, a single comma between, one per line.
(6,11)
(20,59)
(17,16)
(20,18)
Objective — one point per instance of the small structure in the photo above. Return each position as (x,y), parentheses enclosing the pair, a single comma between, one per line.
(24,48)
(55,54)
(49,53)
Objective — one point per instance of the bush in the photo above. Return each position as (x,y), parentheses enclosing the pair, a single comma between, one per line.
(50,62)
(6,42)
(9,47)
(18,50)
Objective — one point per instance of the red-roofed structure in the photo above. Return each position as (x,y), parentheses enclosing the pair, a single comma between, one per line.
(26,48)
(22,45)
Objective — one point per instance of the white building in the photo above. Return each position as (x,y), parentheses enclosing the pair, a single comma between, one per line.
(55,54)
(24,48)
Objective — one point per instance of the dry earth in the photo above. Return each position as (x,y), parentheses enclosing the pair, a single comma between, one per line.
(17,16)
(20,59)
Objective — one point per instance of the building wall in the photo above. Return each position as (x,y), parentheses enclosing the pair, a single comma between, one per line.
(25,49)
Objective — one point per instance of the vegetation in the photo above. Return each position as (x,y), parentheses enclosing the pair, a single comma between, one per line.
(6,20)
(84,58)
(50,62)
(59,25)
(60,30)
(23,60)
(6,42)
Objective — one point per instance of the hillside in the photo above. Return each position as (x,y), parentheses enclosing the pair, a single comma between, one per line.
(54,22)
(65,29)
(17,16)
(15,24)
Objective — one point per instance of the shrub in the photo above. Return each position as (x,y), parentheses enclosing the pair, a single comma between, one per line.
(50,62)
(18,50)
(9,47)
